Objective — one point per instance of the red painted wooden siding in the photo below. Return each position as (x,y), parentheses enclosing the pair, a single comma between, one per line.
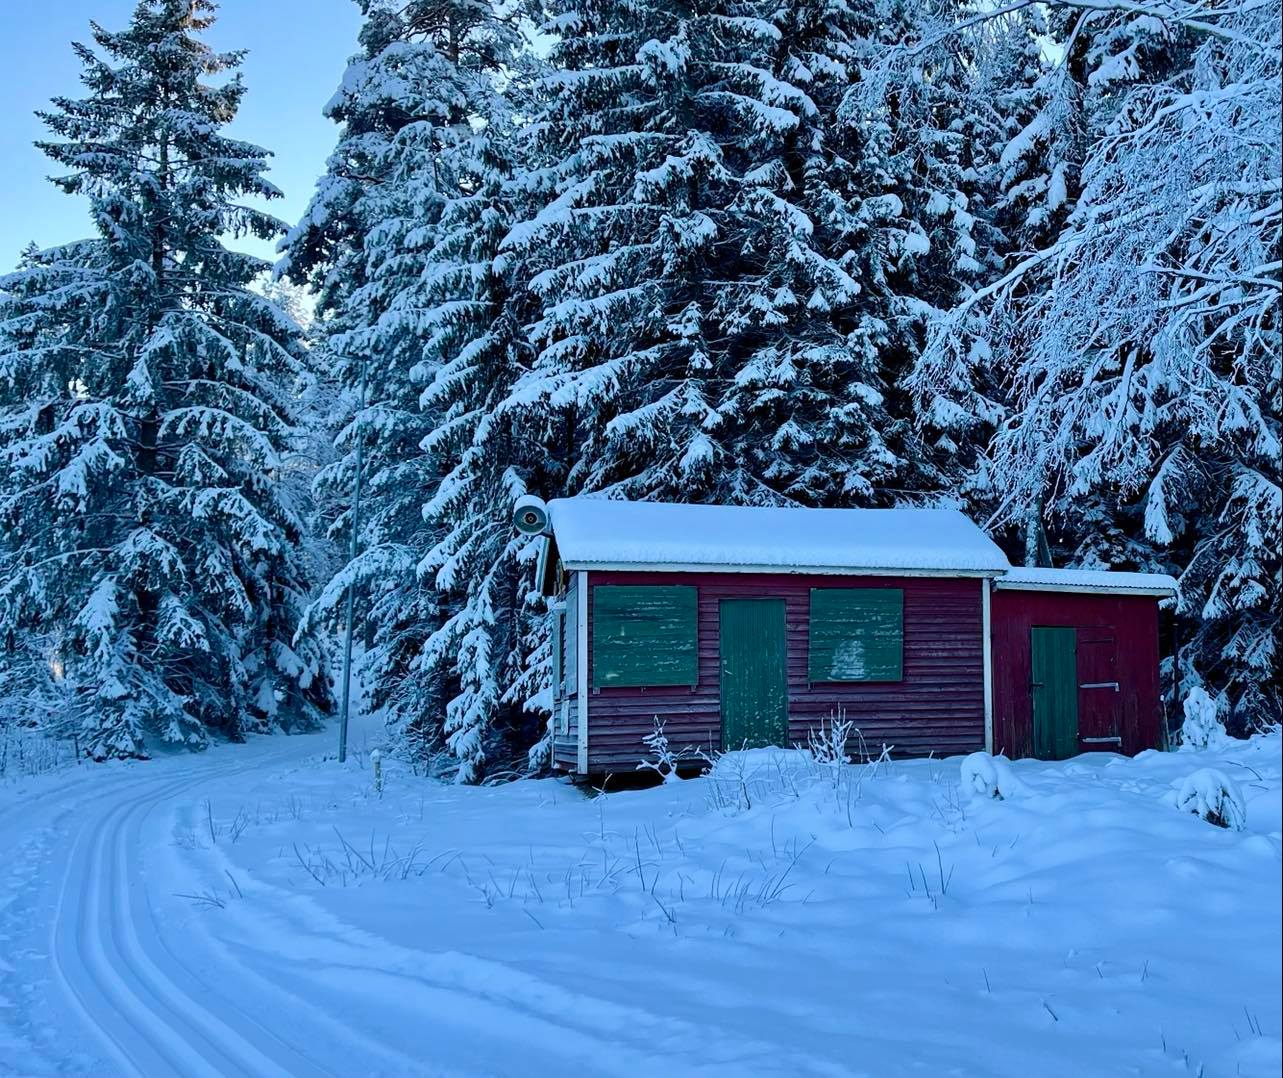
(937,707)
(1118,633)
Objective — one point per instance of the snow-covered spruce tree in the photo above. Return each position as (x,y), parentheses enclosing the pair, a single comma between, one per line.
(335,250)
(700,327)
(415,104)
(1024,114)
(321,409)
(1143,343)
(144,411)
(682,311)
(486,460)
(1042,127)
(813,411)
(937,99)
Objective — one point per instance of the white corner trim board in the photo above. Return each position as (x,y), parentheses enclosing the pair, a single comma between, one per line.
(986,629)
(581,668)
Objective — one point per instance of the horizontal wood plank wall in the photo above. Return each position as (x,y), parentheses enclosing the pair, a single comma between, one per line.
(937,707)
(1133,619)
(565,747)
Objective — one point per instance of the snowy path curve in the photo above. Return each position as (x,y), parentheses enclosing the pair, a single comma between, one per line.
(127,999)
(139,981)
(129,987)
(108,966)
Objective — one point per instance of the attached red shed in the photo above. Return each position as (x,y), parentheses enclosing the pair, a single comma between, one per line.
(1075,662)
(743,626)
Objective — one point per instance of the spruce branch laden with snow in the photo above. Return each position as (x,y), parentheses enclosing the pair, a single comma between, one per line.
(1141,341)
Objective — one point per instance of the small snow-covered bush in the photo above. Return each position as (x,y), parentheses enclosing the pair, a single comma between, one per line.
(25,751)
(664,762)
(1209,794)
(1201,729)
(827,742)
(983,775)
(739,780)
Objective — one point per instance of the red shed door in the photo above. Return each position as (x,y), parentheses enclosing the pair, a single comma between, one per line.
(1100,703)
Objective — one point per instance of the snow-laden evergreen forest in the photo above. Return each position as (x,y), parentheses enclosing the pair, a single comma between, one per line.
(1021,259)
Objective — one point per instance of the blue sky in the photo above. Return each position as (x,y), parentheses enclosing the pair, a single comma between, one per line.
(297,50)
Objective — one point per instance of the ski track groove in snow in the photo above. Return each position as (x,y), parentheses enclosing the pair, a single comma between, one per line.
(126,983)
(300,1010)
(283,938)
(492,999)
(284,978)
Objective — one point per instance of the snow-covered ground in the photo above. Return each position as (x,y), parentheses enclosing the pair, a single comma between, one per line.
(260,910)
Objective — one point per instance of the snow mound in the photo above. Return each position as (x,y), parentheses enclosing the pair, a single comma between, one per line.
(988,776)
(1210,794)
(768,759)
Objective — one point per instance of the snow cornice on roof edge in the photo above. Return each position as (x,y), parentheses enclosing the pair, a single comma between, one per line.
(772,570)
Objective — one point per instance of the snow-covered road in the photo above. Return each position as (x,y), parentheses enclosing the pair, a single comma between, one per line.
(109,962)
(259,910)
(109,968)
(94,973)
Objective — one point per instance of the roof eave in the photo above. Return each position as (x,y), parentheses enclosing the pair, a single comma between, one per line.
(770,570)
(1155,592)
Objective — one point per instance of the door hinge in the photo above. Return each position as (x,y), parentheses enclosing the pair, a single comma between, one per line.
(1100,685)
(1101,740)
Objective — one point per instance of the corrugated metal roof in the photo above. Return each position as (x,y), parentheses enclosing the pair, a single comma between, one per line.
(606,533)
(1087,580)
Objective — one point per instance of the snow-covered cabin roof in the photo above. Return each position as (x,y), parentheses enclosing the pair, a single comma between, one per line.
(600,533)
(1087,581)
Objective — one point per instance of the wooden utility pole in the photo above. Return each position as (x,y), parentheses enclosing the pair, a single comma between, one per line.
(351,586)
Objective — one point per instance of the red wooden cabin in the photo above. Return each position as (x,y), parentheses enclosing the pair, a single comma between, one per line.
(748,626)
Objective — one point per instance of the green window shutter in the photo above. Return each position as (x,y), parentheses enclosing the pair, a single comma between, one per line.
(644,636)
(857,634)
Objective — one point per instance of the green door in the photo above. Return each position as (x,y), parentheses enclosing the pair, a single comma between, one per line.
(754,678)
(1055,692)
